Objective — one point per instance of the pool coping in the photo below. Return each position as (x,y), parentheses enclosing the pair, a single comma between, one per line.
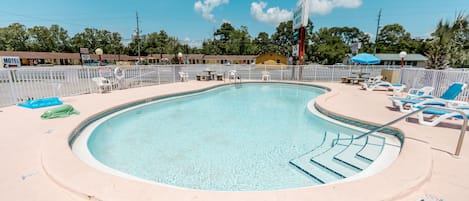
(77,177)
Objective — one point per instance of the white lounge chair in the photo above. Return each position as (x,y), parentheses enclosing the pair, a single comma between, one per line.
(396,88)
(103,84)
(447,99)
(439,115)
(183,76)
(374,80)
(420,93)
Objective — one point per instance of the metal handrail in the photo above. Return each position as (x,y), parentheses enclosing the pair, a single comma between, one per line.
(461,135)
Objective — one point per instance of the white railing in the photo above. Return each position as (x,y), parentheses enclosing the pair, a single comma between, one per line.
(18,85)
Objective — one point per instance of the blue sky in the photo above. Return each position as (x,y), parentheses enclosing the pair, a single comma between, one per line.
(197,19)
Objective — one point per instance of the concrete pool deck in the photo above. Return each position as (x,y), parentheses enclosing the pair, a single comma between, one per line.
(38,164)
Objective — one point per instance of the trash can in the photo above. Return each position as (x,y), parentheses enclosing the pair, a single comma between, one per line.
(391,75)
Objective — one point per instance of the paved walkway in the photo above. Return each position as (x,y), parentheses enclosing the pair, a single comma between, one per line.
(38,164)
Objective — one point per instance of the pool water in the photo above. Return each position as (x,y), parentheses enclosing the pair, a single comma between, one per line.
(232,138)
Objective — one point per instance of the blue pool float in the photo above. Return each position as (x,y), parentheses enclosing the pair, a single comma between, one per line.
(45,102)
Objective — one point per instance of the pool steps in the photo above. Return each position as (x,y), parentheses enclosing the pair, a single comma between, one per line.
(339,156)
(303,163)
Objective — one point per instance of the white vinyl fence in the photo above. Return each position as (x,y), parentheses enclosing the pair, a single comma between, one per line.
(439,79)
(18,85)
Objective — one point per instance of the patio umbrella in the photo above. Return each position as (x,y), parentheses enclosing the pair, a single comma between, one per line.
(365,58)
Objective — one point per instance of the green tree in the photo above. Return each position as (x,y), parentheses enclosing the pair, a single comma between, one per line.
(229,41)
(394,38)
(282,39)
(353,35)
(60,38)
(40,39)
(14,38)
(53,39)
(327,48)
(262,43)
(449,44)
(93,38)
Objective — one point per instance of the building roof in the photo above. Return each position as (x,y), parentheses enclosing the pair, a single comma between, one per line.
(53,55)
(231,57)
(396,57)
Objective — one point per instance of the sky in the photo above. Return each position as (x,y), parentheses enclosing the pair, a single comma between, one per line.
(193,21)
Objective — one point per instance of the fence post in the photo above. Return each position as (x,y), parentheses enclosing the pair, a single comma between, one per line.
(315,72)
(12,89)
(140,75)
(333,71)
(159,77)
(350,70)
(434,79)
(281,72)
(89,80)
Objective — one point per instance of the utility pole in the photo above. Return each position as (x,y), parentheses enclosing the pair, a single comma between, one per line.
(377,31)
(138,38)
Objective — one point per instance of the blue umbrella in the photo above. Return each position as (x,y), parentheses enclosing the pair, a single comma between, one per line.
(365,58)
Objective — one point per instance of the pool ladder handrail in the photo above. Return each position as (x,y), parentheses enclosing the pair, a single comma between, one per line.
(461,135)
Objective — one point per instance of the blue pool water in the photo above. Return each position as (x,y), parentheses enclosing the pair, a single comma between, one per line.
(227,139)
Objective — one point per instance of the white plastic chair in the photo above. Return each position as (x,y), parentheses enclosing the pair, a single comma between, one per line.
(183,76)
(232,74)
(103,84)
(265,75)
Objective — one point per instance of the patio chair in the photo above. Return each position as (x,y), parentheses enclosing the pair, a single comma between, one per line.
(232,74)
(265,75)
(183,76)
(103,84)
(439,115)
(445,100)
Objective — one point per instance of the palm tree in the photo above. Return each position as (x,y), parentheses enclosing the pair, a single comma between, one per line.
(448,44)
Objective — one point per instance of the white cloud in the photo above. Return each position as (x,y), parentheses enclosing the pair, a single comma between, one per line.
(324,7)
(271,16)
(192,43)
(206,7)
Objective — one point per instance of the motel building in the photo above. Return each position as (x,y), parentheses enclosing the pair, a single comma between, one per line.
(51,58)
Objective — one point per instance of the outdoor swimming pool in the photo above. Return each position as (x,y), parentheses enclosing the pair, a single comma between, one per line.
(231,138)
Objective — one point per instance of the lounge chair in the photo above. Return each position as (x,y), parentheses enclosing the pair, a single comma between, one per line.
(396,88)
(420,93)
(445,100)
(374,80)
(183,76)
(439,115)
(415,94)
